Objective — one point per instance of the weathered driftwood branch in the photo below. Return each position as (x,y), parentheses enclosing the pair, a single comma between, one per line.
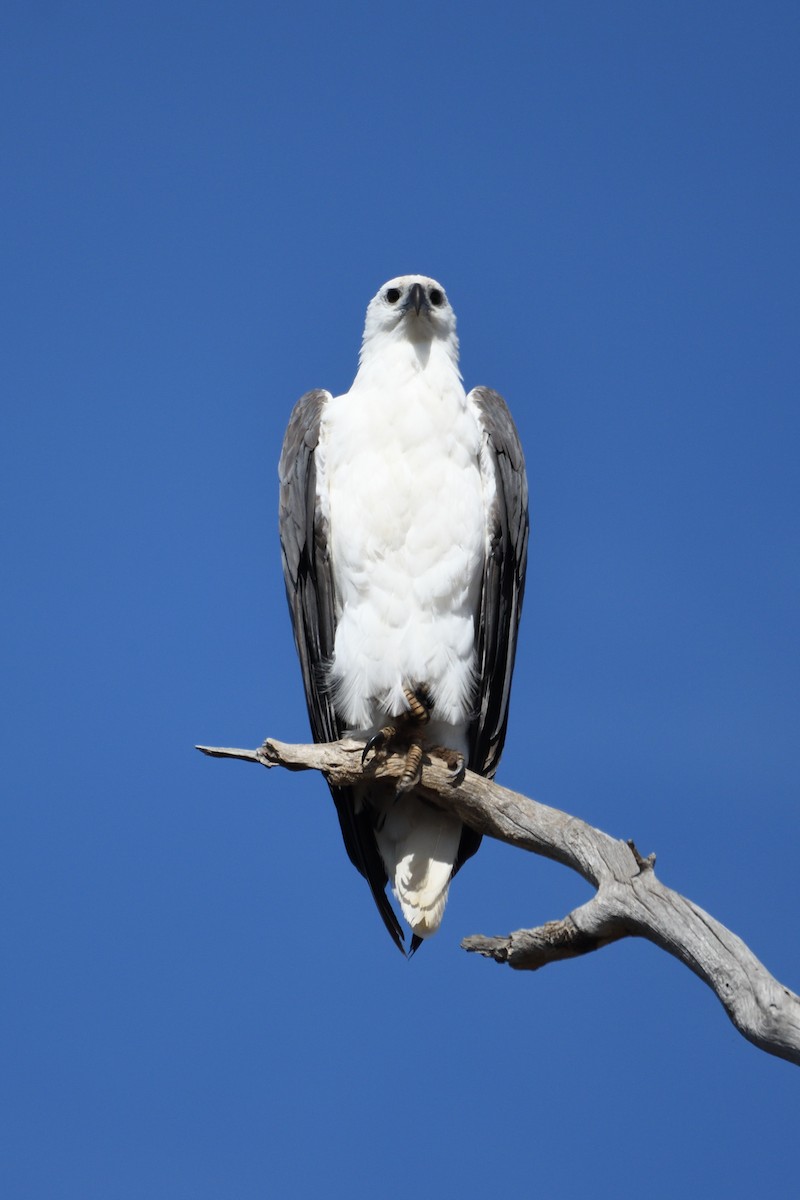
(629,901)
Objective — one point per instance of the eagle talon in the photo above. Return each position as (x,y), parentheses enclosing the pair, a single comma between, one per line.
(412,771)
(419,703)
(453,760)
(458,769)
(378,741)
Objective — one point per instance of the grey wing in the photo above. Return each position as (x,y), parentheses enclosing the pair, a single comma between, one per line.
(306,563)
(503,578)
(310,592)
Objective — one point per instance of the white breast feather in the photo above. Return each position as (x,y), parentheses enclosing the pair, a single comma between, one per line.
(407,537)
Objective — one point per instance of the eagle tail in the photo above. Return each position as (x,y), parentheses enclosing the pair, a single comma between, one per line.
(419,847)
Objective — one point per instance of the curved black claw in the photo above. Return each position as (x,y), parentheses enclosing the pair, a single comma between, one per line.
(378,741)
(458,769)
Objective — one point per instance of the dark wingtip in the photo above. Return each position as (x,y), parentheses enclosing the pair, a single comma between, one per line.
(416,942)
(389,918)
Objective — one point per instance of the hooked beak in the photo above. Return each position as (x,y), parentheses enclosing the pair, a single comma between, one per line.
(416,298)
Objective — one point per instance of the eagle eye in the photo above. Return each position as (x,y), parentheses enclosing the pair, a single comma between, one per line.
(436,297)
(393,295)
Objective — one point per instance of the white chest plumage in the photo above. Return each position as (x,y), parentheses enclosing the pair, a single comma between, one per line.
(400,483)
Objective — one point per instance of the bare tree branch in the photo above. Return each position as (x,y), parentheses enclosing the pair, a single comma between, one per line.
(629,900)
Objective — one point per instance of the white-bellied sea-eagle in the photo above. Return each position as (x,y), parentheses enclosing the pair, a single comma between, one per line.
(404,530)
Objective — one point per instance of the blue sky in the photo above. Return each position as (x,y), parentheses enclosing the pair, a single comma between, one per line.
(199,999)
